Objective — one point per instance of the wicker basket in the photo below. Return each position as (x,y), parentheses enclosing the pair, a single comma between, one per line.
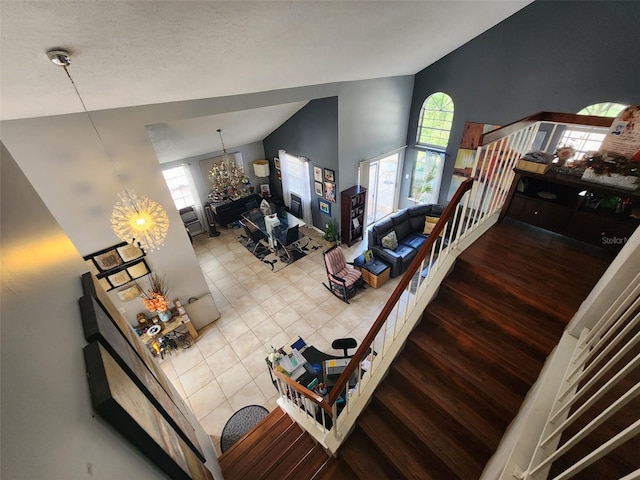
(375,280)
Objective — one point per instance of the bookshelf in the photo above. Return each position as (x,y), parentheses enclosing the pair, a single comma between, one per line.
(352,202)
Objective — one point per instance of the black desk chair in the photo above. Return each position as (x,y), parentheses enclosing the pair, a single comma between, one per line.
(344,344)
(290,237)
(256,236)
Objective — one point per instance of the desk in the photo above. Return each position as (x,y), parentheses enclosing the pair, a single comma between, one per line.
(255,219)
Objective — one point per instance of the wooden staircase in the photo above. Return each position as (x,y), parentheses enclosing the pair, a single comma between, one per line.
(462,376)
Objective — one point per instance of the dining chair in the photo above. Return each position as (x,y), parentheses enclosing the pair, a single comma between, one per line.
(288,238)
(254,235)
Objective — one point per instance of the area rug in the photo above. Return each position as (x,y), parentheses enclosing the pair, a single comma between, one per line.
(240,423)
(278,260)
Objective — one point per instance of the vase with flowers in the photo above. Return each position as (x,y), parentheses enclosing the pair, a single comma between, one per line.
(155,297)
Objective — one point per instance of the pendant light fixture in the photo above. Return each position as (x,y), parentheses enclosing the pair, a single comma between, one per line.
(227,179)
(135,219)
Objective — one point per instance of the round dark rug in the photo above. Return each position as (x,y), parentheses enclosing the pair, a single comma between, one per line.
(240,423)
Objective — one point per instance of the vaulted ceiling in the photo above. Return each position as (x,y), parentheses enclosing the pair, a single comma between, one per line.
(127,53)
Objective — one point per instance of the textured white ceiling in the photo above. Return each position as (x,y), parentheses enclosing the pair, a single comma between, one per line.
(127,53)
(198,136)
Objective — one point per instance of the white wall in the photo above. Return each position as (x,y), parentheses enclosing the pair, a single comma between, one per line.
(49,430)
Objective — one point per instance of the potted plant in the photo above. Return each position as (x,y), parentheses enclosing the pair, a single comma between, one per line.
(330,235)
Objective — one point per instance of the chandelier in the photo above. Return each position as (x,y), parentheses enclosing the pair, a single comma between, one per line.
(227,179)
(134,219)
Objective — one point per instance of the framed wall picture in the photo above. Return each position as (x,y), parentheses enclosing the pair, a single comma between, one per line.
(265,190)
(329,175)
(325,207)
(317,174)
(318,186)
(108,260)
(129,293)
(276,162)
(129,252)
(139,269)
(330,191)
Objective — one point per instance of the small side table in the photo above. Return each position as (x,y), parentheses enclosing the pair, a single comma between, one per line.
(375,272)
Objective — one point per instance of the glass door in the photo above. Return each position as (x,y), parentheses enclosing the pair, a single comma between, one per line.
(381,178)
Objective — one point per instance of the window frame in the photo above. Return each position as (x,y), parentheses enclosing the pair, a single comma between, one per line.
(180,198)
(444,122)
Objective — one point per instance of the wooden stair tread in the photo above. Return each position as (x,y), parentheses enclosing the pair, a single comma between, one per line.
(439,433)
(485,337)
(486,425)
(286,463)
(273,424)
(309,464)
(452,361)
(504,318)
(404,451)
(365,459)
(335,469)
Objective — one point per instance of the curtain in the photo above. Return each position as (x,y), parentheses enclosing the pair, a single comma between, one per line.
(296,178)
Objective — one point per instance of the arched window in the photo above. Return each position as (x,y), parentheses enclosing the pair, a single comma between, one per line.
(434,124)
(434,127)
(584,138)
(606,109)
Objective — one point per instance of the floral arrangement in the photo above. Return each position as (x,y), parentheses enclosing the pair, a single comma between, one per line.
(155,296)
(273,356)
(605,164)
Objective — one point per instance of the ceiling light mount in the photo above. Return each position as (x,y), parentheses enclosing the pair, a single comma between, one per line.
(61,58)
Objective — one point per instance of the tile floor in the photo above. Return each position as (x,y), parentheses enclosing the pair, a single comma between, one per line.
(225,368)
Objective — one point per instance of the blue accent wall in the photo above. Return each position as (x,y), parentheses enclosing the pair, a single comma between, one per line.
(558,56)
(312,132)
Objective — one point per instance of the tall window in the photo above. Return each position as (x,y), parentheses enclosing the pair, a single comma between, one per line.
(178,183)
(296,179)
(434,128)
(436,118)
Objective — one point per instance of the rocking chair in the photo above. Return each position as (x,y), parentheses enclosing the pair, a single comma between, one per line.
(344,280)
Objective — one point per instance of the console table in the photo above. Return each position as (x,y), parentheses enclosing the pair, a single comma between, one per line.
(231,211)
(598,214)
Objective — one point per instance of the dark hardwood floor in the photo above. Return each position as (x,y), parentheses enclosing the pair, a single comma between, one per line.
(463,374)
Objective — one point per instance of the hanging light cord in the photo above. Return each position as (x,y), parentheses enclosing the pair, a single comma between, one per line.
(95,129)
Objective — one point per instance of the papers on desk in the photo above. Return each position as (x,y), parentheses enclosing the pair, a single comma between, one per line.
(292,362)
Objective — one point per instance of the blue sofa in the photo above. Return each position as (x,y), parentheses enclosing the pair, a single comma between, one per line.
(408,225)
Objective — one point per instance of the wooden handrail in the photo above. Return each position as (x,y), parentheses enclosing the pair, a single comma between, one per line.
(569,118)
(363,349)
(314,397)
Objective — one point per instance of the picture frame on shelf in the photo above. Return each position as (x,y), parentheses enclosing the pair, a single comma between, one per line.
(329,175)
(318,188)
(330,191)
(317,174)
(368,256)
(324,206)
(265,190)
